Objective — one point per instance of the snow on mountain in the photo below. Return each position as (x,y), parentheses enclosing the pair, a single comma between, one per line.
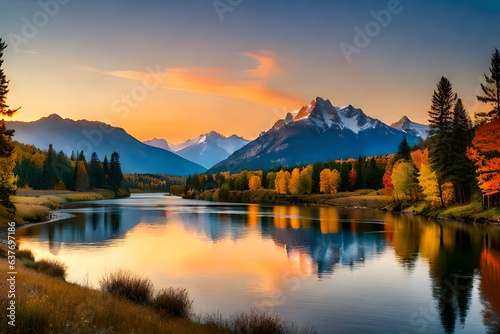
(317,132)
(206,149)
(409,127)
(355,120)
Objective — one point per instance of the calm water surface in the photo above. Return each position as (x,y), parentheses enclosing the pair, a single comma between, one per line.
(343,271)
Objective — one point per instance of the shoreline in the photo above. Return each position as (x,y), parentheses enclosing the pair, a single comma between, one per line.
(54,216)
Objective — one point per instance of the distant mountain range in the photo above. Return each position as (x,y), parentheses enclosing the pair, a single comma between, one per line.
(69,135)
(205,150)
(412,128)
(319,132)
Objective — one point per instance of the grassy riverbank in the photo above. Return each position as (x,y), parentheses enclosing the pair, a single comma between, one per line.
(363,198)
(46,303)
(34,206)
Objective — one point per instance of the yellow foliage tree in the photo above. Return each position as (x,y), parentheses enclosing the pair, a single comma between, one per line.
(404,178)
(324,181)
(329,181)
(294,182)
(255,182)
(281,182)
(304,185)
(429,184)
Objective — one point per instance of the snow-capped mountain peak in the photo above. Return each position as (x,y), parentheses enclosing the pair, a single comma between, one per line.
(206,149)
(407,126)
(356,120)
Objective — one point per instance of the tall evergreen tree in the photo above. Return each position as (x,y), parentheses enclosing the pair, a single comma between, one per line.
(441,124)
(105,171)
(491,91)
(96,172)
(49,173)
(441,113)
(116,180)
(7,163)
(461,169)
(64,169)
(404,151)
(360,173)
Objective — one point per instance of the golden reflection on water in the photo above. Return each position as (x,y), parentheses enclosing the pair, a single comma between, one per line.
(279,242)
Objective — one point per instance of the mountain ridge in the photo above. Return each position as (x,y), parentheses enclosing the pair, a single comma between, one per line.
(318,132)
(206,149)
(94,136)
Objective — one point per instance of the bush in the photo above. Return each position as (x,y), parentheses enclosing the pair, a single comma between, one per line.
(32,213)
(173,302)
(257,322)
(54,268)
(124,284)
(26,257)
(254,322)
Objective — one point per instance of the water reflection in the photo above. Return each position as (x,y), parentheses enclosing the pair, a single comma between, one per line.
(258,250)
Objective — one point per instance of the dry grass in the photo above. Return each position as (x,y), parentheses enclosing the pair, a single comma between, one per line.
(51,267)
(365,201)
(254,322)
(32,213)
(124,284)
(51,202)
(173,302)
(48,305)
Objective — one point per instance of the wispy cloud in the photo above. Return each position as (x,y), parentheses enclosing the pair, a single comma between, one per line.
(245,84)
(268,64)
(30,52)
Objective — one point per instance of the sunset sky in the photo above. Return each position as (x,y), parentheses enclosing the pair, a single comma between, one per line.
(176,69)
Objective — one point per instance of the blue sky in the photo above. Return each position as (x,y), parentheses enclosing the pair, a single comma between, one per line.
(89,59)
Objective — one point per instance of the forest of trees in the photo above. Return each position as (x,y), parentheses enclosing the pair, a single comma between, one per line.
(46,170)
(7,163)
(153,182)
(458,159)
(328,177)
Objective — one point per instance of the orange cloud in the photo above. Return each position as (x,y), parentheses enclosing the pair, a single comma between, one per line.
(268,64)
(221,82)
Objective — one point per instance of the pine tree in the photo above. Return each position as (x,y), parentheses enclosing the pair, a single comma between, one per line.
(373,176)
(360,173)
(441,124)
(96,173)
(491,91)
(64,170)
(461,169)
(404,151)
(441,113)
(105,171)
(7,163)
(117,182)
(49,174)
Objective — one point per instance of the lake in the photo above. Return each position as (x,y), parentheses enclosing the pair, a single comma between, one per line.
(340,270)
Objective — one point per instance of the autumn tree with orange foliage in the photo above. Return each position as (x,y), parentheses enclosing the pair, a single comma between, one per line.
(485,154)
(255,182)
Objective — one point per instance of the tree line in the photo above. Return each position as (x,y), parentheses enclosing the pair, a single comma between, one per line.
(457,160)
(47,170)
(321,177)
